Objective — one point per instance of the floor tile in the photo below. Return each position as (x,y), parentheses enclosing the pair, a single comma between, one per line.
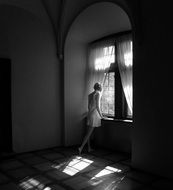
(56,187)
(24,155)
(70,152)
(42,152)
(57,175)
(21,173)
(53,156)
(141,177)
(123,168)
(77,182)
(9,186)
(75,165)
(100,152)
(128,184)
(61,160)
(43,179)
(101,162)
(34,160)
(58,149)
(3,178)
(44,166)
(87,169)
(10,164)
(126,162)
(93,173)
(116,157)
(89,156)
(163,184)
(37,182)
(108,182)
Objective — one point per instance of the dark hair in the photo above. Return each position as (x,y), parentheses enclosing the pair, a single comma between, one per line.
(97,86)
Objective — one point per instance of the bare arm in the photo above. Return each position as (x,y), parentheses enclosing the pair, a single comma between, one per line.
(88,102)
(98,104)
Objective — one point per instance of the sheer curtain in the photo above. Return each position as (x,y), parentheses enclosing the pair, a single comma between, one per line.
(125,64)
(100,56)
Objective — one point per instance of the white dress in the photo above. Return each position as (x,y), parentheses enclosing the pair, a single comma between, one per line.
(93,118)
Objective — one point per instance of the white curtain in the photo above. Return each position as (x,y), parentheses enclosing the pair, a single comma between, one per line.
(101,55)
(125,64)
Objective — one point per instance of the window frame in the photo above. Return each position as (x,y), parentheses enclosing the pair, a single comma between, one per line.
(120,104)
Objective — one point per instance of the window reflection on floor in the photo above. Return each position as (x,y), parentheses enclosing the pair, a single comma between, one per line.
(32,183)
(98,175)
(108,176)
(106,171)
(74,165)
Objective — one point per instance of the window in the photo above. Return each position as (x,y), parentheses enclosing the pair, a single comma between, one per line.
(113,62)
(108,96)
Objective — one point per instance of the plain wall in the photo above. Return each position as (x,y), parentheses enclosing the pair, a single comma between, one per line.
(114,135)
(152,140)
(75,98)
(36,117)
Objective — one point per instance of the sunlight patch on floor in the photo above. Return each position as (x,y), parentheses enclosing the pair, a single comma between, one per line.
(107,170)
(103,174)
(32,183)
(74,165)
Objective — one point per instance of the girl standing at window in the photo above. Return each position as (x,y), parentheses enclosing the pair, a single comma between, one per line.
(94,115)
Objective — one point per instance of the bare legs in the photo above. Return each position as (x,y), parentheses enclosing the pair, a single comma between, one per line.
(86,139)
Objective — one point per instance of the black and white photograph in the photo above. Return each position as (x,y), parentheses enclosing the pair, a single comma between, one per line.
(86,95)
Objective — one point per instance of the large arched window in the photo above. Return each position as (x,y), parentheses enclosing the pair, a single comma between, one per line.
(110,63)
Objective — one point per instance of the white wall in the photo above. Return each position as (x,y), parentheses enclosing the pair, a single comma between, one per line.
(75,99)
(36,115)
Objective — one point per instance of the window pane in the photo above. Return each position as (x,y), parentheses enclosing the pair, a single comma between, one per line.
(107,56)
(108,96)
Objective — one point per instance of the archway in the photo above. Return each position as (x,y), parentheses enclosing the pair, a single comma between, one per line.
(96,21)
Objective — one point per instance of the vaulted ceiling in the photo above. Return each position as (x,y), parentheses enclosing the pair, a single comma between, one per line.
(62,13)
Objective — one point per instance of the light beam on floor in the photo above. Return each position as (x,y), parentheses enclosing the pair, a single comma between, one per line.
(31,183)
(74,165)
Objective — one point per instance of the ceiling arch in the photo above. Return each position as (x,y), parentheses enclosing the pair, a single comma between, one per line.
(34,7)
(96,21)
(99,20)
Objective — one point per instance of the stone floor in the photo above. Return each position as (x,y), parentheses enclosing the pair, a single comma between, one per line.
(63,168)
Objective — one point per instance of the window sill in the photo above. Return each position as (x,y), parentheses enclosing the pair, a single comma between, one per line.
(117,120)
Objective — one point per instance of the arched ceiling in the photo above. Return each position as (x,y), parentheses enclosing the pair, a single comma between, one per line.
(99,20)
(61,13)
(34,6)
